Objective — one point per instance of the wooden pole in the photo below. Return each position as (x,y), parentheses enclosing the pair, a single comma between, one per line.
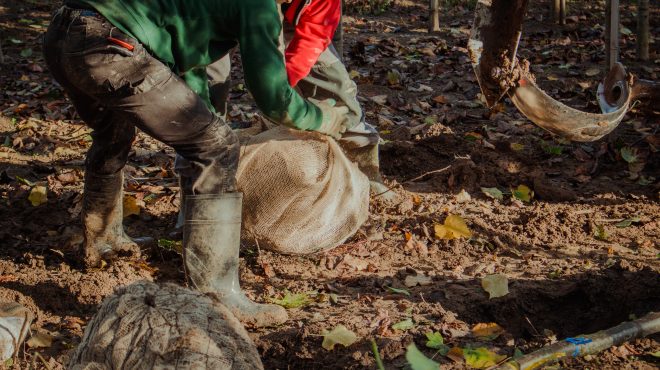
(562,12)
(434,14)
(556,10)
(611,33)
(643,30)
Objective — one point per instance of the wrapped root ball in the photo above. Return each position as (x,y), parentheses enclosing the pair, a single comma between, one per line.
(301,194)
(151,326)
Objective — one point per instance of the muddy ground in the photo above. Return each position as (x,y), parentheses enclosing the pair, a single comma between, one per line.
(571,269)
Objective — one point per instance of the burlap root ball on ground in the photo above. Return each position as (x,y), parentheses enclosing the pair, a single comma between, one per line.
(301,194)
(151,326)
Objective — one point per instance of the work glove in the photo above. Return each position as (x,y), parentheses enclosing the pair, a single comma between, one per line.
(360,136)
(334,118)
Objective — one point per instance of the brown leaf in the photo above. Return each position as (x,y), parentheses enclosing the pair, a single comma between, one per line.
(7,278)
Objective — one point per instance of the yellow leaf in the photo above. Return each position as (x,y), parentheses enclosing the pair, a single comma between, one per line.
(481,358)
(131,206)
(522,192)
(517,147)
(38,195)
(487,331)
(338,335)
(496,285)
(453,228)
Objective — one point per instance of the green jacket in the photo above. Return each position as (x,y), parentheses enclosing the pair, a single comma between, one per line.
(188,35)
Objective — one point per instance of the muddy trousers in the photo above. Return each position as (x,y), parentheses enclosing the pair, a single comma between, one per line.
(116,88)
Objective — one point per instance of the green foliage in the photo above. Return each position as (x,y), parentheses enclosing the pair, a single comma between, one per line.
(600,233)
(418,361)
(404,325)
(292,300)
(434,340)
(629,154)
(627,222)
(481,358)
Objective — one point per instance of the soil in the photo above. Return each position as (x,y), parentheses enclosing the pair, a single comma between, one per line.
(573,264)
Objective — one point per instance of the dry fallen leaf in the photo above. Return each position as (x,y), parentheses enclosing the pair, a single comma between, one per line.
(38,196)
(517,147)
(592,72)
(131,206)
(453,228)
(456,354)
(496,285)
(463,196)
(414,280)
(494,193)
(487,331)
(40,339)
(379,99)
(481,358)
(338,335)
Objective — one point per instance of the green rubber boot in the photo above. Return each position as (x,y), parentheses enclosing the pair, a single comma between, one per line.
(102,215)
(211,241)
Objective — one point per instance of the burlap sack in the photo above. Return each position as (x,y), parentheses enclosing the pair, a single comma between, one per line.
(301,194)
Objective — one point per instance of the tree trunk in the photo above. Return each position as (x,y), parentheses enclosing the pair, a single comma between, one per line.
(150,326)
(611,33)
(434,14)
(643,30)
(562,12)
(559,11)
(556,10)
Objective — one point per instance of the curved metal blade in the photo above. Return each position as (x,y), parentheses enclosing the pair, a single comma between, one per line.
(492,48)
(561,119)
(611,92)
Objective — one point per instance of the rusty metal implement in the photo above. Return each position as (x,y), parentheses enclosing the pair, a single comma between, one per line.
(492,48)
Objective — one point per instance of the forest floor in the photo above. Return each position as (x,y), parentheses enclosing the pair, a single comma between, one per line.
(580,256)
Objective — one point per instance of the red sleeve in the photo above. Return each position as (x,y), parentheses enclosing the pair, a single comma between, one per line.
(313,34)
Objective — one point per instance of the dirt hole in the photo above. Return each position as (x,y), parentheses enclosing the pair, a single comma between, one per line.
(584,305)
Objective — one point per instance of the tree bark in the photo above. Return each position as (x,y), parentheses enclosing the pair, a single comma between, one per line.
(434,14)
(611,33)
(150,326)
(643,30)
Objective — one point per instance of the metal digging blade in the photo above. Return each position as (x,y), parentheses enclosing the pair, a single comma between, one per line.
(493,46)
